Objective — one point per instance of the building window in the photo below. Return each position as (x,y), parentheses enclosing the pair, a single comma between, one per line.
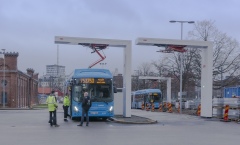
(5,98)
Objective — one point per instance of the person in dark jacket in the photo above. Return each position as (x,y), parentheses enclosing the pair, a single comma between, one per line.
(86,104)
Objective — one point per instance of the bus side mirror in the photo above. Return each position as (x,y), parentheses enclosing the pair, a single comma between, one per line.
(114,89)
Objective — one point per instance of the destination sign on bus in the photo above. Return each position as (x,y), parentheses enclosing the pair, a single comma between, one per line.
(92,81)
(100,81)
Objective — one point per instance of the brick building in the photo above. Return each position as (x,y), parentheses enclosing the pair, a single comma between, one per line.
(20,88)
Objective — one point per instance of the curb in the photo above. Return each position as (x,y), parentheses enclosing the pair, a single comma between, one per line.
(124,121)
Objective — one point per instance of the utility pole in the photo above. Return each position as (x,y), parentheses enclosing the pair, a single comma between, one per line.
(57,67)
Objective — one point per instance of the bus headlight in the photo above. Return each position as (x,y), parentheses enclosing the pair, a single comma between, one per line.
(76,108)
(111,108)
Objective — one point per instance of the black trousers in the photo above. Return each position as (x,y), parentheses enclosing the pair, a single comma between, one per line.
(65,109)
(82,118)
(53,117)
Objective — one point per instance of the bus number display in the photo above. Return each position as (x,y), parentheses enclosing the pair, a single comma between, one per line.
(87,80)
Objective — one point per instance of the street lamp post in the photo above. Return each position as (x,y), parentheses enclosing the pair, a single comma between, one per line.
(3,82)
(181,59)
(137,79)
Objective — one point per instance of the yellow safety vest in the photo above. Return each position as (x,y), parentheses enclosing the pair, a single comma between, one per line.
(52,104)
(66,101)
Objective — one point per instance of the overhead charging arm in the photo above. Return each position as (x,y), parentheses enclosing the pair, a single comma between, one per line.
(102,57)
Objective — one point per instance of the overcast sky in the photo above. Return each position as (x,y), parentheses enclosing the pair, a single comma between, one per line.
(29,27)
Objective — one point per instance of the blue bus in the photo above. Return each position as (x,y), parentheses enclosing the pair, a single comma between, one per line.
(99,85)
(146,96)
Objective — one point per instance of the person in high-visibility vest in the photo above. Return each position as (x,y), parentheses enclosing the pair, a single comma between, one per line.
(52,106)
(66,104)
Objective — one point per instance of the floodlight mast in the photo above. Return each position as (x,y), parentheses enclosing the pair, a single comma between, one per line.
(181,58)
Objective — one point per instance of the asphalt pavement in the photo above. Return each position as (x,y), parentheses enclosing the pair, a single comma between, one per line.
(31,127)
(134,119)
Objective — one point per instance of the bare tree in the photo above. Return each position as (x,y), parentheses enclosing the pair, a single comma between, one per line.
(226,56)
(170,67)
(145,69)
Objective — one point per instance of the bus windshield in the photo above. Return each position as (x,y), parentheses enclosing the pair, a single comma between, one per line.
(97,92)
(156,97)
